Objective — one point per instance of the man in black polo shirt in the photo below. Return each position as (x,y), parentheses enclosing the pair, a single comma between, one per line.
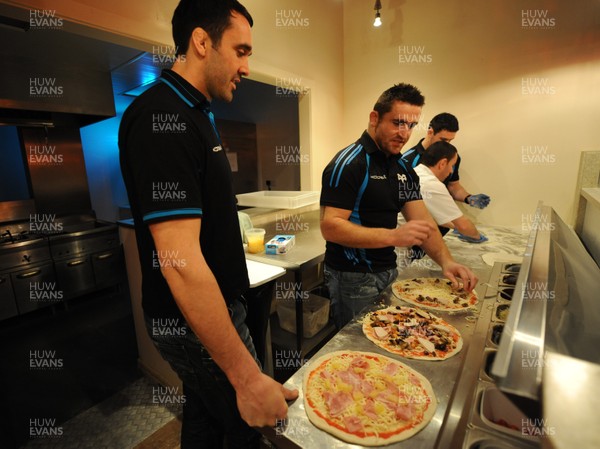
(443,128)
(364,187)
(179,185)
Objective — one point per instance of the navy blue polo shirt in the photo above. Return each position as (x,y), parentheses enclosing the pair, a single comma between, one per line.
(174,167)
(363,179)
(413,158)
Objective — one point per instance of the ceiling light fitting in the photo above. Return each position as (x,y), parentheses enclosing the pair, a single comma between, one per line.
(377,22)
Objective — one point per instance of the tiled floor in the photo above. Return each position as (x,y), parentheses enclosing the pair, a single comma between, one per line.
(93,396)
(120,422)
(69,378)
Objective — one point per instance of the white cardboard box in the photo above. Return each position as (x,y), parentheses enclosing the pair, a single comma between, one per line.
(280,244)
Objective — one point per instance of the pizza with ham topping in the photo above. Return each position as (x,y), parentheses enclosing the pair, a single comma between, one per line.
(366,398)
(412,333)
(434,293)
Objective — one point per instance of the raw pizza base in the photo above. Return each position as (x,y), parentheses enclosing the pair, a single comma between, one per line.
(434,294)
(415,399)
(408,326)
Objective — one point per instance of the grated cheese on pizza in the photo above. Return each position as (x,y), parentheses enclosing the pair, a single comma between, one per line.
(434,293)
(367,398)
(412,333)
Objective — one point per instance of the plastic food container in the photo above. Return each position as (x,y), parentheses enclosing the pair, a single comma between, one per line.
(496,334)
(501,313)
(315,314)
(278,199)
(256,240)
(498,412)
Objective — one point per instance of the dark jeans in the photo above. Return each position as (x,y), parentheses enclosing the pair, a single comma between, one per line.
(210,413)
(351,292)
(257,319)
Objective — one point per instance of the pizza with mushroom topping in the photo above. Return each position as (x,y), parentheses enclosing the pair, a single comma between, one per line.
(434,293)
(412,333)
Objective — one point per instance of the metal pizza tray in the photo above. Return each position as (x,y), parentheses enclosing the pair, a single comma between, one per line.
(298,431)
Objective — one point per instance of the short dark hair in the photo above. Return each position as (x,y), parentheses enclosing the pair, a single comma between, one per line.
(444,121)
(213,16)
(438,151)
(399,92)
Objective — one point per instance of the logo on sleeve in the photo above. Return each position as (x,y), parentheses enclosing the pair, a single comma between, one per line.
(402,178)
(217,149)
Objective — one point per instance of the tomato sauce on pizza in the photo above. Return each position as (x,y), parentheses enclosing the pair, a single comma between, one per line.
(434,293)
(412,333)
(366,398)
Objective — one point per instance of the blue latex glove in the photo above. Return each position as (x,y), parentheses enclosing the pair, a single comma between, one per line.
(465,238)
(480,201)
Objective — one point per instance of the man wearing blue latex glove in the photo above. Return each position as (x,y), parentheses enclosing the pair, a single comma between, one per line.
(480,201)
(443,127)
(465,238)
(436,164)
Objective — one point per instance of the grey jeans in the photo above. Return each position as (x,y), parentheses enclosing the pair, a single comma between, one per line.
(351,292)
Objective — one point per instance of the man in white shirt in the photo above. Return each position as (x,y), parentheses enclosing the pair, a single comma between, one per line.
(444,127)
(436,164)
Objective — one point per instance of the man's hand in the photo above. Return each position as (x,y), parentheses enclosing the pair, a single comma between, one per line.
(465,238)
(261,401)
(336,227)
(480,201)
(414,232)
(455,270)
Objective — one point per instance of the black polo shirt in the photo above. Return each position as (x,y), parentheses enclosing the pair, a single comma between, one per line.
(362,179)
(174,167)
(413,158)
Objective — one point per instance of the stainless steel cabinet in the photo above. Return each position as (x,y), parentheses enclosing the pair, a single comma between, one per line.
(35,287)
(8,305)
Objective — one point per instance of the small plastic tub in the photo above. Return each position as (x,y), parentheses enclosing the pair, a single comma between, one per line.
(256,240)
(509,279)
(500,414)
(489,361)
(507,293)
(496,334)
(512,268)
(501,313)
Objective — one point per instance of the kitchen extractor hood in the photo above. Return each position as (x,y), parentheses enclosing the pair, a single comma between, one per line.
(56,93)
(54,77)
(58,98)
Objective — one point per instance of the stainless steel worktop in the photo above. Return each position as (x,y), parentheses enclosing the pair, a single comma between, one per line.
(442,375)
(309,248)
(297,431)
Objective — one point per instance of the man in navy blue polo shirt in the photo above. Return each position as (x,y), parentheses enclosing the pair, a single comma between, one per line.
(364,187)
(443,128)
(194,273)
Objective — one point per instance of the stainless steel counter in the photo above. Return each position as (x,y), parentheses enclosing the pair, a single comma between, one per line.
(309,248)
(442,375)
(446,376)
